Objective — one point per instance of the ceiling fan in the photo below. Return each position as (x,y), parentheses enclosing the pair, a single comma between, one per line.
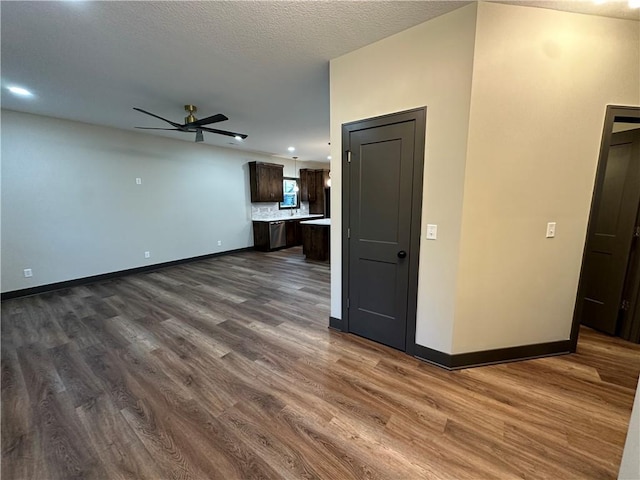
(191,124)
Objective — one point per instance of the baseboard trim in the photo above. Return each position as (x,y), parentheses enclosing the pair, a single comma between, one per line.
(25,292)
(335,323)
(490,357)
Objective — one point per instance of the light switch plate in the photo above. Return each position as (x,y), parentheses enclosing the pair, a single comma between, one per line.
(432,232)
(551,229)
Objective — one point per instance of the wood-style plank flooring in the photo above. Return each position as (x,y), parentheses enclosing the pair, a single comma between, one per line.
(225,368)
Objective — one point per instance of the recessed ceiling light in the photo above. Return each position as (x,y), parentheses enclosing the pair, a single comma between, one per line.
(238,137)
(23,92)
(634,3)
(328,157)
(292,149)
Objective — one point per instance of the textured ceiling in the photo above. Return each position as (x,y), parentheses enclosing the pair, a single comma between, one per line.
(263,64)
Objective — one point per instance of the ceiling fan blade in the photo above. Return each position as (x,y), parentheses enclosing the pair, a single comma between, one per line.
(218,117)
(224,132)
(154,115)
(199,136)
(154,128)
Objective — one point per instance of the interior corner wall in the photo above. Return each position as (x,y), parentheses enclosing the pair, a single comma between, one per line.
(541,82)
(428,65)
(71,207)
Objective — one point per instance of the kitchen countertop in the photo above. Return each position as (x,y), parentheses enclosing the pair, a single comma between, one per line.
(288,217)
(323,222)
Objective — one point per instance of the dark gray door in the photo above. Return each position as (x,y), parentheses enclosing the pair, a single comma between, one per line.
(383,226)
(610,237)
(629,319)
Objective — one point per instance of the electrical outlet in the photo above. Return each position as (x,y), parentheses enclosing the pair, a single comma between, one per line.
(219,243)
(28,273)
(138,181)
(147,254)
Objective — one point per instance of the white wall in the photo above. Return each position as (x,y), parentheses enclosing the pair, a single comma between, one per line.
(630,465)
(541,81)
(428,65)
(292,168)
(71,207)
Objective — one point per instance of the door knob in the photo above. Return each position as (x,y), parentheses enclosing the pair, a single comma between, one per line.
(402,254)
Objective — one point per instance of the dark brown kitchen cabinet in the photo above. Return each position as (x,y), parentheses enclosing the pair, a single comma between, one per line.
(294,233)
(315,242)
(261,236)
(304,184)
(308,191)
(314,189)
(311,180)
(322,180)
(269,235)
(266,238)
(265,180)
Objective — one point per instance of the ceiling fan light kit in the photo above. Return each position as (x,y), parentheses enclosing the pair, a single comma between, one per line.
(191,124)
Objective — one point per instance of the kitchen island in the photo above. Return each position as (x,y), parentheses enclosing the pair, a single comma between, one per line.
(315,239)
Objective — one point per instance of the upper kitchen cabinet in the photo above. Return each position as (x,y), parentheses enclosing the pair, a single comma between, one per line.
(307,185)
(313,189)
(322,182)
(266,182)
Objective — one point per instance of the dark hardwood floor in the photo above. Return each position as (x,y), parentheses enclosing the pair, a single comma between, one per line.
(225,369)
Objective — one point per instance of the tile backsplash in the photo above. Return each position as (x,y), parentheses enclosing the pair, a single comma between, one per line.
(271,210)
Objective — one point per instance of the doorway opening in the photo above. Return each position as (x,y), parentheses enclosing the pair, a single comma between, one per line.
(608,290)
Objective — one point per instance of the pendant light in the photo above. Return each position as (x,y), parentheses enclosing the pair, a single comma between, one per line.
(295,174)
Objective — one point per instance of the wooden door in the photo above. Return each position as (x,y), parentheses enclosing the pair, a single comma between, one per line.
(383,225)
(629,320)
(611,234)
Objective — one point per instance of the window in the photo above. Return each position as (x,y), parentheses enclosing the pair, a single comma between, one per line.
(291,199)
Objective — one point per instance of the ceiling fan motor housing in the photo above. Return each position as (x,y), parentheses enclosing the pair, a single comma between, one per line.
(190,109)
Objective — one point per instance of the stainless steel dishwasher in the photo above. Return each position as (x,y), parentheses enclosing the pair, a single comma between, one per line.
(277,235)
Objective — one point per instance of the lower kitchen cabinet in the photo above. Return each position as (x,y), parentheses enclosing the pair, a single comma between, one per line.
(271,235)
(315,242)
(261,236)
(294,233)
